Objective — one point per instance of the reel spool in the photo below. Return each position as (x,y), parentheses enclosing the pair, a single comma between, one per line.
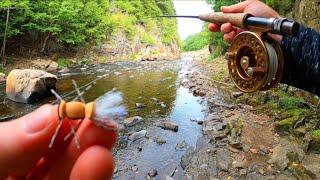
(255,62)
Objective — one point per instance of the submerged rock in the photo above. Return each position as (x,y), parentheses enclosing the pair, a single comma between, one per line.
(137,135)
(140,105)
(168,125)
(131,121)
(29,85)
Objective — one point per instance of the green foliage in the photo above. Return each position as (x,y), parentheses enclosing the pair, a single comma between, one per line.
(63,62)
(73,23)
(202,39)
(218,3)
(315,134)
(205,37)
(196,42)
(281,6)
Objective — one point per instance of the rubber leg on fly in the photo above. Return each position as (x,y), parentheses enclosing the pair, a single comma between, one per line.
(55,133)
(75,135)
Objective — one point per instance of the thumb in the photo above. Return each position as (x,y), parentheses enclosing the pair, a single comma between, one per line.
(25,140)
(236,8)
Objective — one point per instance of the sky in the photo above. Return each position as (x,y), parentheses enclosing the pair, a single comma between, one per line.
(186,26)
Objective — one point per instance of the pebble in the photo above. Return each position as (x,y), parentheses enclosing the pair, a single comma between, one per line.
(140,105)
(263,150)
(236,94)
(254,151)
(163,105)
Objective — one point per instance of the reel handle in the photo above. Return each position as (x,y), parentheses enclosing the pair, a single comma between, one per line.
(236,19)
(281,26)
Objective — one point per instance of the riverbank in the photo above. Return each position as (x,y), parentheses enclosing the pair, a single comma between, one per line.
(247,136)
(187,121)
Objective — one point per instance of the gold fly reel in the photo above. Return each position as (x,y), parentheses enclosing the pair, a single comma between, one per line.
(255,62)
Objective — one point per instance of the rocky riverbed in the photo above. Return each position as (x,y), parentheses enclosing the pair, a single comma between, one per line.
(187,121)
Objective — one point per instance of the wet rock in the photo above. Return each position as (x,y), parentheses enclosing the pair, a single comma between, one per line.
(223,159)
(236,94)
(173,172)
(159,140)
(200,122)
(64,70)
(168,126)
(29,85)
(137,135)
(153,173)
(186,158)
(181,146)
(134,168)
(139,148)
(131,121)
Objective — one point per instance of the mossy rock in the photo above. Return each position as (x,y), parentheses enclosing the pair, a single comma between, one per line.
(315,135)
(285,125)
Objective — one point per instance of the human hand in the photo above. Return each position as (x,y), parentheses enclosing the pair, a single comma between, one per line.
(254,7)
(24,151)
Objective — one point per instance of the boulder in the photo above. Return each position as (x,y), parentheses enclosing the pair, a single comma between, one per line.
(29,85)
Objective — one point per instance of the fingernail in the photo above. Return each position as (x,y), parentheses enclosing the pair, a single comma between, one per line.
(38,119)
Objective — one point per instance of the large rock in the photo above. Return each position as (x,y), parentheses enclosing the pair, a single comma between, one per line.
(29,85)
(306,12)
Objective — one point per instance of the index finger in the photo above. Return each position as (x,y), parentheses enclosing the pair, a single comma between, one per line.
(213,27)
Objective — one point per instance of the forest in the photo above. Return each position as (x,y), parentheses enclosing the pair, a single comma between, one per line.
(44,27)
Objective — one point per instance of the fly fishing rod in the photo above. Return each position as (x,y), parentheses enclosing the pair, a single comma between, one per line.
(255,60)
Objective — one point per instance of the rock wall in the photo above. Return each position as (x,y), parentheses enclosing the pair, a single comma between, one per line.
(120,48)
(307,13)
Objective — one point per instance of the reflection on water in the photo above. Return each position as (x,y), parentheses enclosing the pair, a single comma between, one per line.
(139,83)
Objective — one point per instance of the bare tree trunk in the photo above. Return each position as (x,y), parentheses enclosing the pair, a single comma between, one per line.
(3,49)
(44,43)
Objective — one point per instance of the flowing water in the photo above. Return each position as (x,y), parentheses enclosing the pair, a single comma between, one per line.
(139,82)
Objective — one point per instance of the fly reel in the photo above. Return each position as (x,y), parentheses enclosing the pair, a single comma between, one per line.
(255,62)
